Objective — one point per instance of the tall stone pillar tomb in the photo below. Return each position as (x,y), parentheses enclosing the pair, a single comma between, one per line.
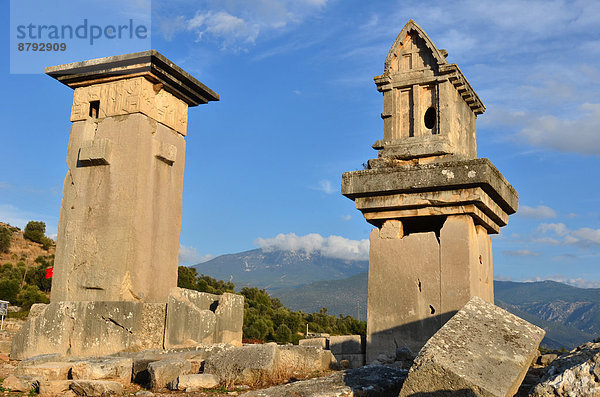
(115,273)
(120,219)
(433,202)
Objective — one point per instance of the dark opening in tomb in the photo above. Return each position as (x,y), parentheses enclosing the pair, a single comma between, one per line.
(431,309)
(94,109)
(423,225)
(430,118)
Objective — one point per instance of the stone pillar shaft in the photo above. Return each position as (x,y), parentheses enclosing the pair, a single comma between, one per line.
(118,233)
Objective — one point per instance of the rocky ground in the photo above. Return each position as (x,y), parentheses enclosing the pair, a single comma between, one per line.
(167,373)
(259,370)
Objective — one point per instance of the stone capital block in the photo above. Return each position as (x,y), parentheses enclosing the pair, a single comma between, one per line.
(481,351)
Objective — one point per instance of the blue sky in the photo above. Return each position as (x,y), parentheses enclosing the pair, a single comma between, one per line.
(299,107)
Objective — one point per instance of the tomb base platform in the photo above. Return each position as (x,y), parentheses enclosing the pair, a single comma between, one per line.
(99,327)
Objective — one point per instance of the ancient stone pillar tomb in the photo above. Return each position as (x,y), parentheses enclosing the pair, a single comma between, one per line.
(120,219)
(433,202)
(115,274)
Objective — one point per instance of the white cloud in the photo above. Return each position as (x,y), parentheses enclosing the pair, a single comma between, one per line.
(584,237)
(346,217)
(539,212)
(523,252)
(227,28)
(236,24)
(325,187)
(189,255)
(579,135)
(332,246)
(4,185)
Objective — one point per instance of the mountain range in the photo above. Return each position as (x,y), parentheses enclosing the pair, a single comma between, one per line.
(570,315)
(273,270)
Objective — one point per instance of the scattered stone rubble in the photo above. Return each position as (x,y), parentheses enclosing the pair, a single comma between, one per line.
(183,369)
(576,373)
(348,350)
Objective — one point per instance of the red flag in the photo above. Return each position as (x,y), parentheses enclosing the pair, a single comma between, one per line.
(49,272)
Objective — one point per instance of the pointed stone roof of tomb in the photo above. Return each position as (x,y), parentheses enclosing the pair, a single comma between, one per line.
(392,75)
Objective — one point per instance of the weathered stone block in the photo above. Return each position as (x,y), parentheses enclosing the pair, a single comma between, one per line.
(244,365)
(99,388)
(323,343)
(46,371)
(230,319)
(22,383)
(103,368)
(576,373)
(482,349)
(196,382)
(346,344)
(253,363)
(199,318)
(90,328)
(371,380)
(355,360)
(55,388)
(163,372)
(304,359)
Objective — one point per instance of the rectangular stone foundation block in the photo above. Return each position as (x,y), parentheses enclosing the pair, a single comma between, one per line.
(323,343)
(195,318)
(481,351)
(346,344)
(90,328)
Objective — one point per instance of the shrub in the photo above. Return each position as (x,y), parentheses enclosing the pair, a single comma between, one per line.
(5,238)
(29,295)
(9,288)
(35,231)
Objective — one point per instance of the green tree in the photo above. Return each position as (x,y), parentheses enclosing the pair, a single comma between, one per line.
(186,277)
(283,334)
(35,231)
(5,239)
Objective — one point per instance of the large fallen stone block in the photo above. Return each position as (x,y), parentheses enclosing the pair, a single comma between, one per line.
(304,359)
(481,351)
(196,382)
(253,364)
(199,318)
(99,388)
(46,371)
(103,368)
(346,344)
(163,372)
(23,383)
(371,381)
(323,343)
(55,388)
(90,328)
